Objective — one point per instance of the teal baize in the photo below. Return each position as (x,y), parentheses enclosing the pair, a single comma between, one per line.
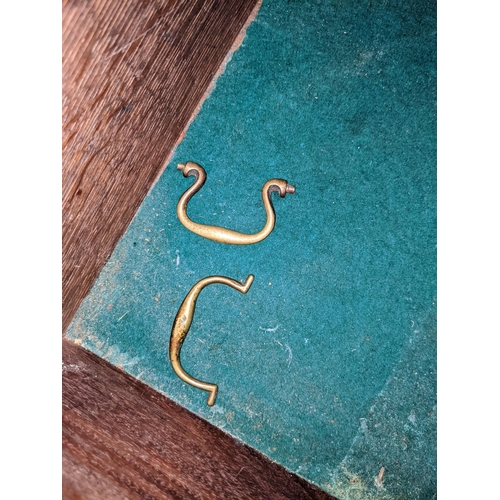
(328,364)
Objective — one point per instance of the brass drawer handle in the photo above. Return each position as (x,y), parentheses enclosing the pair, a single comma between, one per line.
(221,234)
(182,322)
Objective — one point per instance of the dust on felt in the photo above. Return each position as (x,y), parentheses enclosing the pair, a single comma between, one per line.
(78,332)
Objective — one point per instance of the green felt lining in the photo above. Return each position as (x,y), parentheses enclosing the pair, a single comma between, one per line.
(328,364)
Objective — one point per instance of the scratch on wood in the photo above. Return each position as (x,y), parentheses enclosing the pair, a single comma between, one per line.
(127,45)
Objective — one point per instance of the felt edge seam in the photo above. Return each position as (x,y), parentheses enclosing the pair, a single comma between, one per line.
(220,71)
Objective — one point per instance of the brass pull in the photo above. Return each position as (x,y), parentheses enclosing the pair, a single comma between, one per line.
(182,322)
(221,234)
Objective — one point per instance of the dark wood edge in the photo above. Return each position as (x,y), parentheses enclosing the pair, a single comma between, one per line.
(134,74)
(122,439)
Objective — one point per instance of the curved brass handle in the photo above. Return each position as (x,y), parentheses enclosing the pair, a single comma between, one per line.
(221,234)
(182,322)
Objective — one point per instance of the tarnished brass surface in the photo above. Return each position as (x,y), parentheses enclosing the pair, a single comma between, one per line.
(182,322)
(221,234)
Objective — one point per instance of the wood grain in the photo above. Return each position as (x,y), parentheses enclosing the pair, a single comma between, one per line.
(122,439)
(133,74)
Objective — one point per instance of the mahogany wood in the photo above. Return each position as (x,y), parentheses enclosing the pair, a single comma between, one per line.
(122,439)
(134,73)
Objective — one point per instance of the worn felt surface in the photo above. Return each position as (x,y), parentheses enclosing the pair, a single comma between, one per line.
(328,364)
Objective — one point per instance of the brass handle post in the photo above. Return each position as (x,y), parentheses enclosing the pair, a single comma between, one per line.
(181,325)
(221,234)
